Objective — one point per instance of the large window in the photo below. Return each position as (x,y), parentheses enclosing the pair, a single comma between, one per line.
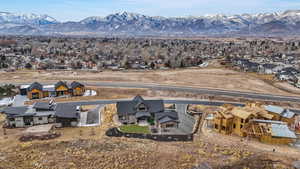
(35,96)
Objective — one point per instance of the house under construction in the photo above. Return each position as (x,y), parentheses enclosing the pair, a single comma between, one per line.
(270,131)
(245,121)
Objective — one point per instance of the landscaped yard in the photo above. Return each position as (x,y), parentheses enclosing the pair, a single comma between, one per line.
(135,129)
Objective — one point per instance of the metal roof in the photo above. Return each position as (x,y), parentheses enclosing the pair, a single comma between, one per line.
(268,121)
(282,130)
(274,109)
(287,113)
(279,110)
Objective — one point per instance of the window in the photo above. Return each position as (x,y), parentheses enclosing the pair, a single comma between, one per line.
(12,119)
(142,107)
(241,126)
(216,126)
(242,120)
(234,125)
(35,96)
(40,118)
(169,125)
(247,120)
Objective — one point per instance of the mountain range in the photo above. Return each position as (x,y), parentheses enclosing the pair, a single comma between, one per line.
(132,24)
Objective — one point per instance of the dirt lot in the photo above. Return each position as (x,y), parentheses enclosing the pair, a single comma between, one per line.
(103,93)
(208,78)
(89,148)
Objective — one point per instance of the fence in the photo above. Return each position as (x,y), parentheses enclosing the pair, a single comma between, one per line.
(114,132)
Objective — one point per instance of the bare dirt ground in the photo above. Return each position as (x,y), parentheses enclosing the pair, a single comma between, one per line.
(89,148)
(217,78)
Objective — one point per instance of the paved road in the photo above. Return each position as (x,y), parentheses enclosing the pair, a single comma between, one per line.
(197,90)
(201,102)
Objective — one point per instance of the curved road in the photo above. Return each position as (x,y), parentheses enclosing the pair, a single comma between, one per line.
(253,95)
(250,95)
(202,102)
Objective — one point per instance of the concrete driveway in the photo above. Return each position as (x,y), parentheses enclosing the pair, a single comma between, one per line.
(92,117)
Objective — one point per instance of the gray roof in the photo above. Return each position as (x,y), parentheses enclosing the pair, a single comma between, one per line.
(166,116)
(167,119)
(274,109)
(279,110)
(76,84)
(44,106)
(35,85)
(269,66)
(49,88)
(25,111)
(268,121)
(129,107)
(287,113)
(66,111)
(282,130)
(12,111)
(44,113)
(142,114)
(61,83)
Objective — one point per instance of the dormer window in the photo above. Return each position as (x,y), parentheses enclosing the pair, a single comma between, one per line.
(142,107)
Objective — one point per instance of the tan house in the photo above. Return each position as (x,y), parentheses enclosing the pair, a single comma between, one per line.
(39,91)
(255,120)
(35,91)
(232,120)
(61,88)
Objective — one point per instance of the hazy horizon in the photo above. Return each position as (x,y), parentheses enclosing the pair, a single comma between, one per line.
(76,10)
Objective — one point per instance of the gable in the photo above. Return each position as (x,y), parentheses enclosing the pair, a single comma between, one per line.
(78,88)
(35,91)
(61,88)
(142,106)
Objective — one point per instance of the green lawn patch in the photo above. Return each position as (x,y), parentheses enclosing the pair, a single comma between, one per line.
(135,129)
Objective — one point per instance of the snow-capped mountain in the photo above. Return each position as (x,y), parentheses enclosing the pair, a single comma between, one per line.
(277,23)
(12,18)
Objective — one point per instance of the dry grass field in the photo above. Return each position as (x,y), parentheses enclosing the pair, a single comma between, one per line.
(217,78)
(89,148)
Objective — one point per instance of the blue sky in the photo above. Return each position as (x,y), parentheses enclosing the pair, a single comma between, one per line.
(75,10)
